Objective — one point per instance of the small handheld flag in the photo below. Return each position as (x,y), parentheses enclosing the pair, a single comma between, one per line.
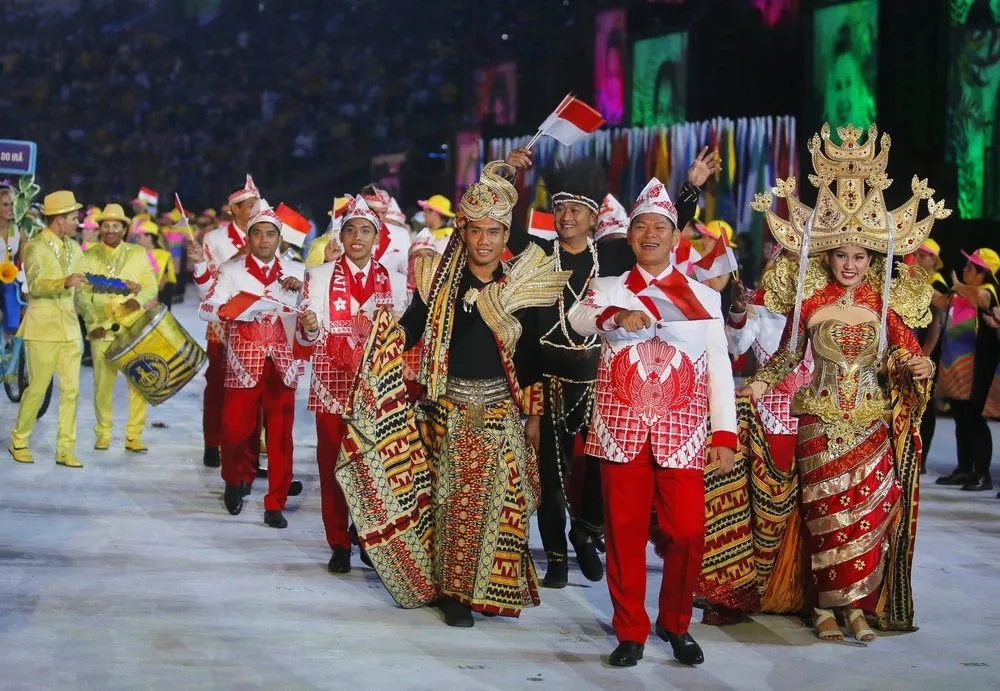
(571,121)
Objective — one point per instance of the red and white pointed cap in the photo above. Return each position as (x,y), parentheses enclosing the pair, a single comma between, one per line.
(395,214)
(357,207)
(654,200)
(379,200)
(612,218)
(263,213)
(249,191)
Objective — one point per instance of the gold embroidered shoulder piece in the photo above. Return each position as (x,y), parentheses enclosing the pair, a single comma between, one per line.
(424,269)
(532,281)
(778,283)
(910,296)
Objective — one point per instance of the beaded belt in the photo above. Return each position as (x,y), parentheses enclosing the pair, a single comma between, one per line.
(477,395)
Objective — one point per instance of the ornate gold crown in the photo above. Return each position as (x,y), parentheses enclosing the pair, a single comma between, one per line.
(852,216)
(492,197)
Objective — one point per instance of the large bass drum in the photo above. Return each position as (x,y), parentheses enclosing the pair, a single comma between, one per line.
(156,354)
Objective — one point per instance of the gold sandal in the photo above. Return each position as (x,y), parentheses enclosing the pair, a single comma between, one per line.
(863,634)
(823,632)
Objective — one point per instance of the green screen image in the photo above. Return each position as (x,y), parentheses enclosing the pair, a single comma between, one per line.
(845,66)
(659,80)
(973,143)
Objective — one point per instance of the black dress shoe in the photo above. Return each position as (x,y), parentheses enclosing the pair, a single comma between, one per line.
(599,543)
(246,488)
(295,488)
(275,519)
(556,575)
(686,649)
(211,457)
(261,473)
(956,479)
(340,562)
(627,654)
(587,557)
(456,614)
(233,499)
(979,484)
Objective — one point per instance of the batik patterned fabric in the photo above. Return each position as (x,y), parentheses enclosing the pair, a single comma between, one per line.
(753,530)
(384,472)
(486,489)
(992,407)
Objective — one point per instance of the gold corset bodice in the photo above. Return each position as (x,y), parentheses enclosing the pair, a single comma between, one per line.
(844,390)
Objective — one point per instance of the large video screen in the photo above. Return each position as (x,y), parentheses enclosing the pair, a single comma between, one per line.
(974,120)
(659,80)
(609,65)
(775,12)
(974,12)
(845,67)
(466,160)
(496,89)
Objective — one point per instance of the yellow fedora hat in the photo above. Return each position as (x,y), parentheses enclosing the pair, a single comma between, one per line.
(59,203)
(113,212)
(439,203)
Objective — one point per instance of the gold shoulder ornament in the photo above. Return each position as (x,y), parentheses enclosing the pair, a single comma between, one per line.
(910,296)
(424,269)
(779,282)
(531,281)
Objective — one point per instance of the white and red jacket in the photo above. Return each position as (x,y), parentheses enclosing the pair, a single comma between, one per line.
(664,382)
(393,249)
(760,329)
(345,303)
(220,244)
(262,330)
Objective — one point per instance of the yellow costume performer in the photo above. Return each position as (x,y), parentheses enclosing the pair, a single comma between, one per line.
(50,329)
(114,258)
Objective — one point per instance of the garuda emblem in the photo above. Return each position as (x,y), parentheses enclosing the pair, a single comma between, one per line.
(346,351)
(660,379)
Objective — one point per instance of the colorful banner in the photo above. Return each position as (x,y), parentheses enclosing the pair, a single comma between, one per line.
(609,65)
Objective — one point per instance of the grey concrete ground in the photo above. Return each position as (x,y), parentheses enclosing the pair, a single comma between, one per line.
(129,574)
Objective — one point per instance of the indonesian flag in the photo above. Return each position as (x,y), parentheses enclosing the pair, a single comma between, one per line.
(294,226)
(148,197)
(718,262)
(571,121)
(541,224)
(245,306)
(684,255)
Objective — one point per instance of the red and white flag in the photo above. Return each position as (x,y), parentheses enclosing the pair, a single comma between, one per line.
(294,226)
(684,256)
(571,121)
(718,262)
(541,224)
(147,196)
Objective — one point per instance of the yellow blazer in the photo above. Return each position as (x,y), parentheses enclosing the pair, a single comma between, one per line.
(51,314)
(127,262)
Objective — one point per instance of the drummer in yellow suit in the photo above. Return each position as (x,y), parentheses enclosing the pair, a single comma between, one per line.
(126,262)
(50,328)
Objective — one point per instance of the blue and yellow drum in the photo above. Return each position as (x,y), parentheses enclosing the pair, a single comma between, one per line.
(157,355)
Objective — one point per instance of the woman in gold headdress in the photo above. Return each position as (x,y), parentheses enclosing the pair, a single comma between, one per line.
(858,449)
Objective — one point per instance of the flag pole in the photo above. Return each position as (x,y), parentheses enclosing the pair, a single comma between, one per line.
(540,132)
(187,224)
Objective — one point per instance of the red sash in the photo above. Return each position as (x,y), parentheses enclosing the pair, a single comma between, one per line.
(677,289)
(636,283)
(340,294)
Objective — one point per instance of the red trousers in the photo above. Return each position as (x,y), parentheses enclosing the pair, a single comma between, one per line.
(215,377)
(330,431)
(241,438)
(629,492)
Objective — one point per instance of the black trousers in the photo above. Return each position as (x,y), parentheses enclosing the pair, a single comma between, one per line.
(927,426)
(564,418)
(972,437)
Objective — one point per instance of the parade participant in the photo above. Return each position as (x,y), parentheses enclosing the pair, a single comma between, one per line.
(478,323)
(663,372)
(970,354)
(612,221)
(147,236)
(123,261)
(753,529)
(928,258)
(570,361)
(143,208)
(326,248)
(437,214)
(858,450)
(221,245)
(423,246)
(393,249)
(339,301)
(252,295)
(712,233)
(50,328)
(11,241)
